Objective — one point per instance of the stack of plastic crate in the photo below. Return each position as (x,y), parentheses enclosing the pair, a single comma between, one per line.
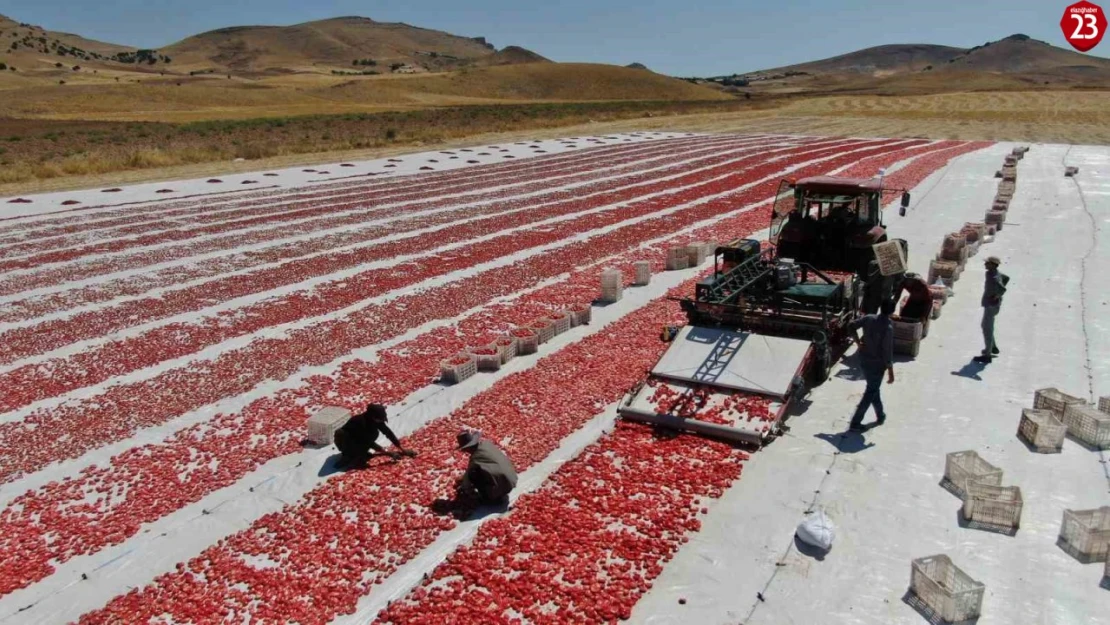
(458,368)
(907,337)
(1042,430)
(544,329)
(1104,404)
(612,285)
(643,273)
(323,425)
(945,591)
(677,259)
(1085,534)
(695,254)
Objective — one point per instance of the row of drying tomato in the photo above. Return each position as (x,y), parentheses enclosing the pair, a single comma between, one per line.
(231,445)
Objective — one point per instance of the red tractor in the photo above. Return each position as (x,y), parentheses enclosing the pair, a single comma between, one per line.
(831,224)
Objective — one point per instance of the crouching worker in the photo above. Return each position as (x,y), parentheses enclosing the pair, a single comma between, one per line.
(489,473)
(360,434)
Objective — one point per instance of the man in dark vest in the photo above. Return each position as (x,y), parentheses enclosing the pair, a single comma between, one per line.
(489,473)
(993,290)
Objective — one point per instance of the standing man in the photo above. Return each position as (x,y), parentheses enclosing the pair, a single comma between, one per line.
(876,356)
(360,434)
(489,471)
(993,291)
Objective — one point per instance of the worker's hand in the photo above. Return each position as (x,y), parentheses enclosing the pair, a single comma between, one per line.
(408,453)
(394,455)
(890,376)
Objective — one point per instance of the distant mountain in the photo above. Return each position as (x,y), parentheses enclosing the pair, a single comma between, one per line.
(342,44)
(1018,57)
(636,66)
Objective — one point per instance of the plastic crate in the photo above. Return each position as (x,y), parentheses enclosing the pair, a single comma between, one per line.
(939,293)
(907,347)
(583,313)
(945,269)
(612,285)
(1042,430)
(937,308)
(945,590)
(677,259)
(961,467)
(527,340)
(487,357)
(1055,400)
(323,424)
(643,273)
(891,258)
(1085,534)
(458,368)
(506,346)
(1087,424)
(544,329)
(996,506)
(695,254)
(562,321)
(1104,404)
(996,218)
(907,330)
(954,241)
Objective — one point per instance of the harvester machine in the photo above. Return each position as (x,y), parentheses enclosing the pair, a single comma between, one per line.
(771,321)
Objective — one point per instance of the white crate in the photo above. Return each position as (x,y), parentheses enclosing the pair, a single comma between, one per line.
(944,269)
(562,320)
(996,218)
(1042,430)
(945,590)
(1085,534)
(486,357)
(1054,400)
(890,256)
(643,273)
(583,313)
(677,259)
(695,254)
(1087,424)
(544,329)
(458,367)
(527,340)
(1104,404)
(612,285)
(506,346)
(961,467)
(323,424)
(996,506)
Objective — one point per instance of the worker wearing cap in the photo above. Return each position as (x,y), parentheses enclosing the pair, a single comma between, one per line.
(876,356)
(993,290)
(920,303)
(360,434)
(489,472)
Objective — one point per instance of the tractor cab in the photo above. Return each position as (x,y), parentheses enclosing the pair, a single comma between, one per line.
(831,224)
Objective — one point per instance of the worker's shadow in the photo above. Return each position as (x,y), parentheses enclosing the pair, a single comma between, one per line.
(971,371)
(465,509)
(846,442)
(331,465)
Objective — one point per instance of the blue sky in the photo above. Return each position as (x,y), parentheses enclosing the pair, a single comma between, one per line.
(685,38)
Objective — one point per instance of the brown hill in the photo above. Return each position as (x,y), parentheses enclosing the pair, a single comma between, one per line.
(511,55)
(32,47)
(329,44)
(1017,61)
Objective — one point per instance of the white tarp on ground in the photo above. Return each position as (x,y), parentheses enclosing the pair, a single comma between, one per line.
(881,489)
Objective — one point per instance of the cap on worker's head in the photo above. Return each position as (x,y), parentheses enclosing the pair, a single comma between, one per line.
(376,411)
(468,438)
(992,260)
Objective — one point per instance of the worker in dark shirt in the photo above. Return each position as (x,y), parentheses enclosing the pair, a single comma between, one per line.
(876,356)
(993,290)
(360,434)
(920,303)
(489,473)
